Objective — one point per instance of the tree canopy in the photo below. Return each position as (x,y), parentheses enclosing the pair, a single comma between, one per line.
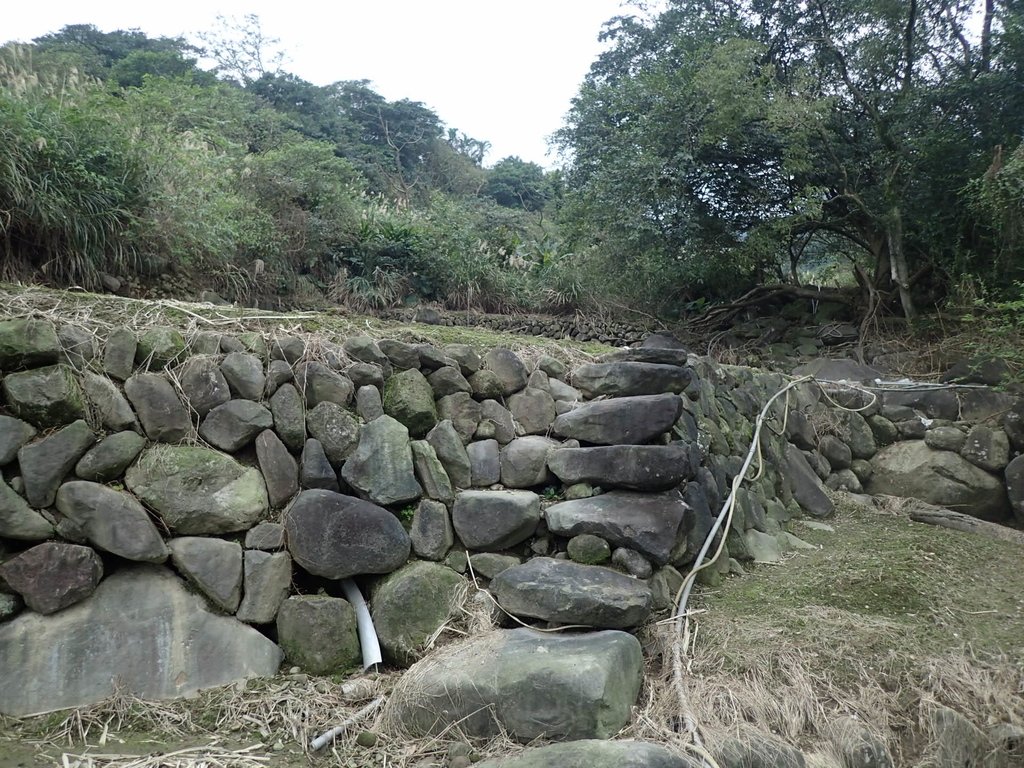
(738,138)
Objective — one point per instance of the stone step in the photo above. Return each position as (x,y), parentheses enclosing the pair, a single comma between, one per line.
(651,524)
(634,467)
(525,683)
(570,593)
(621,420)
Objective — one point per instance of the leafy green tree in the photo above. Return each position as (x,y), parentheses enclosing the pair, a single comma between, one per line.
(515,183)
(729,136)
(122,56)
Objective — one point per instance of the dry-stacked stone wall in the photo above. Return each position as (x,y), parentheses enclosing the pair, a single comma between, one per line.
(615,332)
(182,512)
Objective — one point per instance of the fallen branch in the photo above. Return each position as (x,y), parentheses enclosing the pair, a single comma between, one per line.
(324,739)
(921,512)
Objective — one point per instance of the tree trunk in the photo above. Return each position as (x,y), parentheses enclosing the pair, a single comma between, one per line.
(986,36)
(898,262)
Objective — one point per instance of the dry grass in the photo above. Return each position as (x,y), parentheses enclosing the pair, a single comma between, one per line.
(322,332)
(888,623)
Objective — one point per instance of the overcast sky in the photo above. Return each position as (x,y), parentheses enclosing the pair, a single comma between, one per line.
(501,71)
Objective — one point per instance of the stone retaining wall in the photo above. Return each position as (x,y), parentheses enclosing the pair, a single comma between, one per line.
(181,511)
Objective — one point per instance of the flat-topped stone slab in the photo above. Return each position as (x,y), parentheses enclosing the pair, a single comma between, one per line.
(622,420)
(570,593)
(525,683)
(626,378)
(595,753)
(132,630)
(649,523)
(634,467)
(495,520)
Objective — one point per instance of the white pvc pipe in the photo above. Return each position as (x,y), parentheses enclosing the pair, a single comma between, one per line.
(367,634)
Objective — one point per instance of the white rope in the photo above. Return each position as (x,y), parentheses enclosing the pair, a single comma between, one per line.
(680,616)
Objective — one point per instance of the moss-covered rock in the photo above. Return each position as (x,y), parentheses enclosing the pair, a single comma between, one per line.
(27,343)
(46,397)
(409,398)
(159,347)
(197,490)
(409,606)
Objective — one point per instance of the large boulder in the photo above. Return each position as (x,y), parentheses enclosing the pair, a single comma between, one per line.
(381,468)
(526,684)
(621,421)
(289,412)
(402,355)
(197,490)
(235,424)
(943,478)
(108,403)
(78,346)
(319,384)
(595,753)
(634,467)
(244,374)
(486,384)
(431,532)
(119,353)
(754,749)
(806,485)
(430,472)
(112,520)
(409,399)
(533,410)
(107,460)
(499,419)
(14,433)
(495,520)
(213,566)
(159,347)
(468,359)
(203,384)
(18,520)
(571,593)
(987,447)
(365,349)
(523,461)
(484,462)
(163,417)
(53,576)
(45,463)
(336,429)
(462,411)
(451,453)
(280,470)
(319,634)
(627,379)
(338,536)
(509,369)
(1014,488)
(27,342)
(267,581)
(409,606)
(651,524)
(448,380)
(142,631)
(933,403)
(45,397)
(315,470)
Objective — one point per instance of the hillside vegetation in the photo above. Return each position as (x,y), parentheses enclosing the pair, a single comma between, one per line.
(714,145)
